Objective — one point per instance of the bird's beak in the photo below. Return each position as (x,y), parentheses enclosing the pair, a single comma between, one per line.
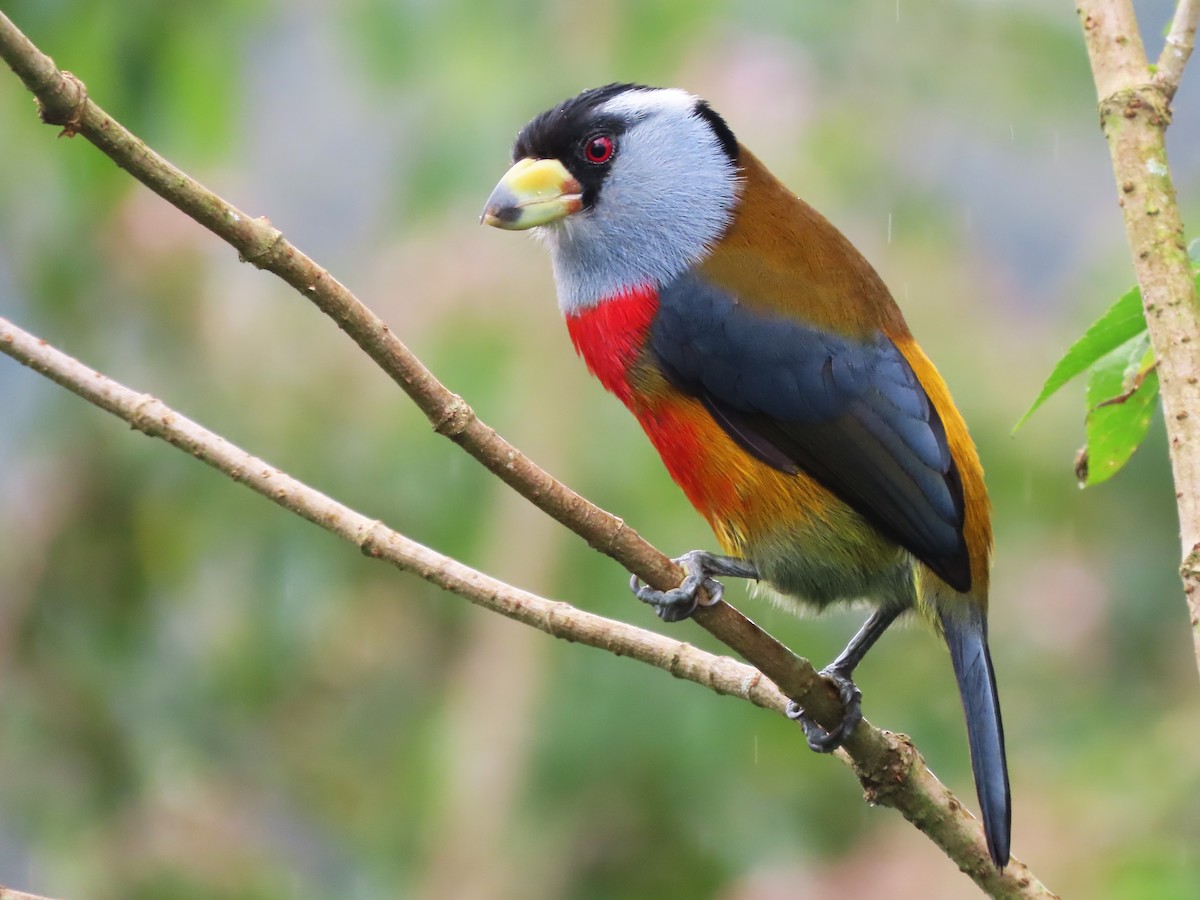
(533,192)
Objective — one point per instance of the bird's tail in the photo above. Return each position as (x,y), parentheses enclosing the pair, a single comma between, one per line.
(966,636)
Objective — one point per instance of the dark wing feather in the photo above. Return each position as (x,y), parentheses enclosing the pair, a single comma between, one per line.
(850,413)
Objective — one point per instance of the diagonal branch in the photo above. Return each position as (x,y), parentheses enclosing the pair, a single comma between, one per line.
(887,765)
(154,418)
(1135,110)
(1181,40)
(63,101)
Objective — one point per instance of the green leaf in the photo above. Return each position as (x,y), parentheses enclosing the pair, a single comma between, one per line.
(1122,321)
(1121,396)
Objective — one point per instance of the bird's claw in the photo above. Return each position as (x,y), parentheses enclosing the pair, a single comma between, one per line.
(820,739)
(679,603)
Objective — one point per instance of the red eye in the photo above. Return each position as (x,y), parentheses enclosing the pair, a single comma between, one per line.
(598,149)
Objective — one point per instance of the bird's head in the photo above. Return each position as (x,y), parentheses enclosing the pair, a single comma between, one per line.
(628,185)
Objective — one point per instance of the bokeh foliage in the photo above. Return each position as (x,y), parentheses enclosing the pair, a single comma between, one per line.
(201,696)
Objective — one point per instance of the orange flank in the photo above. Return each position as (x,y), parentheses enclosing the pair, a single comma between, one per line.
(699,456)
(726,485)
(977,524)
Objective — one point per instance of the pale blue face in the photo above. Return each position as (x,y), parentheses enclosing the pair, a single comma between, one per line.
(666,198)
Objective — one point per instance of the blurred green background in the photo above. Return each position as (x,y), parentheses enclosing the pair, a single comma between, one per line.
(202,696)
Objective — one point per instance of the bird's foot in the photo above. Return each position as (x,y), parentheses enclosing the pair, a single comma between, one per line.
(824,740)
(699,566)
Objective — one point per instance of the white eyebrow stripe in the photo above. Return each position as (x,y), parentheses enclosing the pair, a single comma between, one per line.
(641,103)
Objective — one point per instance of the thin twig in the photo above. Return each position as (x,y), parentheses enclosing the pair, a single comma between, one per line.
(1135,385)
(888,766)
(1181,40)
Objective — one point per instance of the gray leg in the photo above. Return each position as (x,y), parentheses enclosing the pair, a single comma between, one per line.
(840,672)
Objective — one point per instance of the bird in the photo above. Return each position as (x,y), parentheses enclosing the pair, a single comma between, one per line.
(771,369)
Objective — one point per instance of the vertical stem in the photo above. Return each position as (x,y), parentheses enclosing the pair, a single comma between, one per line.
(1135,111)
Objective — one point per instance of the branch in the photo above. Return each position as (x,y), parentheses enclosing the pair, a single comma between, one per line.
(63,101)
(1135,110)
(154,418)
(891,770)
(1181,40)
(888,766)
(10,894)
